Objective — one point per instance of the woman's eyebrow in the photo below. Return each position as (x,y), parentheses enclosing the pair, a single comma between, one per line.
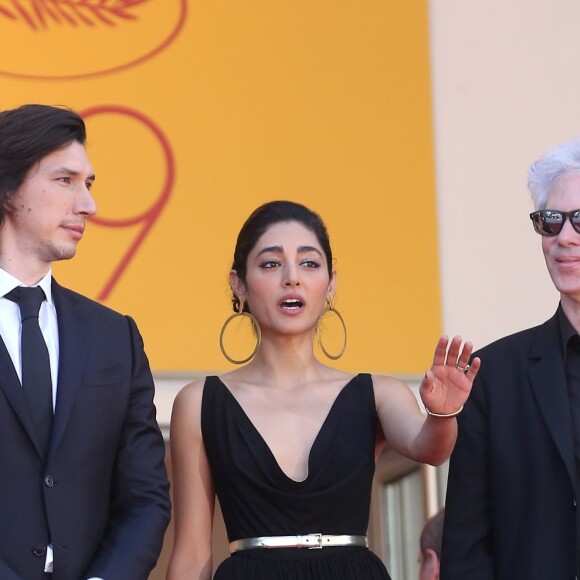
(280,250)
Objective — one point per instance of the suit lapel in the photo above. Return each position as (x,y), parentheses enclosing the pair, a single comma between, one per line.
(72,337)
(548,379)
(11,387)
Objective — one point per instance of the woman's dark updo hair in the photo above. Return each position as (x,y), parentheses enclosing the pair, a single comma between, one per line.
(261,219)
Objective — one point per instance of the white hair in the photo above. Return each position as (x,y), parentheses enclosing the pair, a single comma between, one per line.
(563,159)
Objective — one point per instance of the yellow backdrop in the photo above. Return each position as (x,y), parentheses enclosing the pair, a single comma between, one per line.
(198,112)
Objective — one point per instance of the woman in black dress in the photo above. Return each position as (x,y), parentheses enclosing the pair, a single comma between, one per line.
(288,443)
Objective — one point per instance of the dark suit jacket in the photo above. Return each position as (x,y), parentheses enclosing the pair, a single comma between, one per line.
(511,506)
(101,494)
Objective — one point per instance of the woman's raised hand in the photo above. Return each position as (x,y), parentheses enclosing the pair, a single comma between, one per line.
(448,382)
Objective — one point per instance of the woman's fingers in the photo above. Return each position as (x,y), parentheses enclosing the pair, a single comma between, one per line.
(455,353)
(440,351)
(462,362)
(473,368)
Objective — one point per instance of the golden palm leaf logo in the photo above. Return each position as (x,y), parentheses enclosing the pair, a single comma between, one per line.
(107,35)
(39,14)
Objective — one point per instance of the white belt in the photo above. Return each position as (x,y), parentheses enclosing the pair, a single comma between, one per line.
(306,541)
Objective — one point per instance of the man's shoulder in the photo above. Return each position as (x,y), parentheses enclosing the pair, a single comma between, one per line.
(519,341)
(78,300)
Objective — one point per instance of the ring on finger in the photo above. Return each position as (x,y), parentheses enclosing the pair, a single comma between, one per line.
(462,369)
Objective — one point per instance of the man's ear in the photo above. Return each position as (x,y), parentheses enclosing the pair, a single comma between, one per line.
(432,564)
(238,286)
(7,205)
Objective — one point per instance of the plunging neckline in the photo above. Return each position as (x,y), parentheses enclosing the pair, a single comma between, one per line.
(314,442)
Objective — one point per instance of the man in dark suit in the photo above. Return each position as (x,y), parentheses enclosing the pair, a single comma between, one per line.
(512,499)
(84,491)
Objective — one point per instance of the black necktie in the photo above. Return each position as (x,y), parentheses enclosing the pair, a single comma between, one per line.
(36,378)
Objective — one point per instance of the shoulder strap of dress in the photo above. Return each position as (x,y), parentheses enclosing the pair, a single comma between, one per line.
(368,392)
(208,407)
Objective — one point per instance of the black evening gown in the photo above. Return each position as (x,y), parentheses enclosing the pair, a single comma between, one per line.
(258,499)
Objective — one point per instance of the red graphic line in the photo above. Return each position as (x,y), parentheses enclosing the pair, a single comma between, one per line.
(148,217)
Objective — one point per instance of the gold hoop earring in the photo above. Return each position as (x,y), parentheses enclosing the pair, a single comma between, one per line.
(256,327)
(331,308)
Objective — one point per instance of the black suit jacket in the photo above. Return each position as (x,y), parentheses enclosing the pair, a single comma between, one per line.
(101,493)
(511,506)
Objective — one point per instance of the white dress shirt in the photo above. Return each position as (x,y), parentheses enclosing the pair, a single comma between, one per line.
(10,327)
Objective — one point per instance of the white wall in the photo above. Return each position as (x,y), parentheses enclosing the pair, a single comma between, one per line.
(505,89)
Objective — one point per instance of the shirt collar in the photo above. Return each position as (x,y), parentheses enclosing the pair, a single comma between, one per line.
(567,331)
(9,282)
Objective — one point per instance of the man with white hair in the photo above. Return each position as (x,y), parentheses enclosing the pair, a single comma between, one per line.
(512,498)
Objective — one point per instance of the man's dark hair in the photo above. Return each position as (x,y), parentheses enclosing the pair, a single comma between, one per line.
(432,534)
(29,133)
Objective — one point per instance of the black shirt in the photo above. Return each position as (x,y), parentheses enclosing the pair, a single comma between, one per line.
(571,349)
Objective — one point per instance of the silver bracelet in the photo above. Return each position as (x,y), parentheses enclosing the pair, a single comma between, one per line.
(444,416)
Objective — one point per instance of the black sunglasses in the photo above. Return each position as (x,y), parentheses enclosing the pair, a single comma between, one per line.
(549,222)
